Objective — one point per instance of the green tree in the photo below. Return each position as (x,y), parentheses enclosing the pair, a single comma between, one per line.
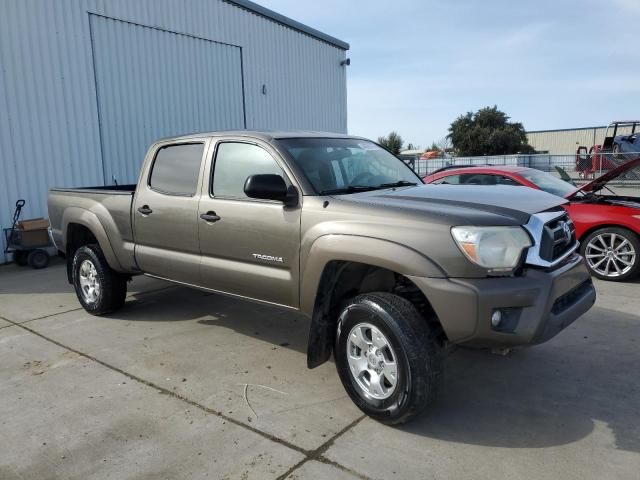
(392,142)
(488,132)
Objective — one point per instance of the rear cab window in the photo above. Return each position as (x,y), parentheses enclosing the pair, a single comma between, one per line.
(176,169)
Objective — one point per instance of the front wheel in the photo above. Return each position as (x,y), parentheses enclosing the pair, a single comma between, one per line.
(388,357)
(612,253)
(99,289)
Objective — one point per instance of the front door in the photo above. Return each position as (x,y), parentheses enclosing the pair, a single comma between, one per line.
(249,247)
(165,213)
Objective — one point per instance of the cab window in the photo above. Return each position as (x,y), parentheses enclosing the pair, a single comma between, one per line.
(235,162)
(176,169)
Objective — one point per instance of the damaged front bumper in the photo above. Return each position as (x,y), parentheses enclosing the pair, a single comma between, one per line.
(534,306)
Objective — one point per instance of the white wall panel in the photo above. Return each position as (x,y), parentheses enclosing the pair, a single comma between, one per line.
(562,142)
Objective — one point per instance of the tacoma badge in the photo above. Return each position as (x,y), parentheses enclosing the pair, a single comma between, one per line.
(269,258)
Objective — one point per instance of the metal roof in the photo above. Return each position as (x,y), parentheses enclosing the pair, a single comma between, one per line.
(565,129)
(276,17)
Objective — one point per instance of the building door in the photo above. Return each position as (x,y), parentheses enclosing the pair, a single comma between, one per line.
(153,83)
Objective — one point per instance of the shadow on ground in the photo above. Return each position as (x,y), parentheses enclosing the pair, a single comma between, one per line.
(545,395)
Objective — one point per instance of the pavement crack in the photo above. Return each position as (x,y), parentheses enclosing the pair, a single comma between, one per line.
(132,296)
(42,317)
(318,454)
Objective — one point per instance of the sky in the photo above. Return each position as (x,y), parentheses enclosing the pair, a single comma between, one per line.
(416,65)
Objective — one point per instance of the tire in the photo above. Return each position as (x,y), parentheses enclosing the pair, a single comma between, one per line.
(414,348)
(624,261)
(616,151)
(99,289)
(38,259)
(21,257)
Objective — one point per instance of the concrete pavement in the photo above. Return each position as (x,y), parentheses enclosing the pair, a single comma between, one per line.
(184,384)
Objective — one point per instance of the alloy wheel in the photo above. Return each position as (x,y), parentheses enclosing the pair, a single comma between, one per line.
(372,361)
(89,282)
(610,255)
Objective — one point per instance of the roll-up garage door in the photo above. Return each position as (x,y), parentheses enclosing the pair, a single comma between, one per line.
(153,83)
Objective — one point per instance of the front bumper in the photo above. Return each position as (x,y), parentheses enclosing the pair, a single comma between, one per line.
(535,306)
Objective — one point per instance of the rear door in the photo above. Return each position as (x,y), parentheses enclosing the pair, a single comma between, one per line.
(252,248)
(165,211)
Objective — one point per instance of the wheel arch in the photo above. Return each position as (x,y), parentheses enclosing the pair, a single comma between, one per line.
(83,227)
(341,280)
(595,228)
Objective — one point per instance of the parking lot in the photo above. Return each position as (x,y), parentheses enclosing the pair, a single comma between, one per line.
(185,384)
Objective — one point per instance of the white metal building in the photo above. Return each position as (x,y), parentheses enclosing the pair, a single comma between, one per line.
(87,85)
(566,141)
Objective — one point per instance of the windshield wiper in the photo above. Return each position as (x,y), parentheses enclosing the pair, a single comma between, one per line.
(399,183)
(349,189)
(367,188)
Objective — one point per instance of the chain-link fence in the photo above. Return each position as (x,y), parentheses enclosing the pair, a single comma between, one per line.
(576,167)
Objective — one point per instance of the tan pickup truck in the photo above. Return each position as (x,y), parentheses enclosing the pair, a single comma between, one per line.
(389,271)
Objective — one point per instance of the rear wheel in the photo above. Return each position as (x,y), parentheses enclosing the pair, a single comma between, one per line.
(612,253)
(388,357)
(99,289)
(38,259)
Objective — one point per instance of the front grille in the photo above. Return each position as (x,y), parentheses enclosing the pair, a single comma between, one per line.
(558,237)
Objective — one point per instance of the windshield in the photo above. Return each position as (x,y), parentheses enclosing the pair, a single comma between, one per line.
(345,165)
(548,183)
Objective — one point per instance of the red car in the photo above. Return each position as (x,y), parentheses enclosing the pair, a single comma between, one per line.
(607,224)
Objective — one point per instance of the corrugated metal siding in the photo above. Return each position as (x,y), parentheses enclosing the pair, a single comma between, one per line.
(49,132)
(562,142)
(136,70)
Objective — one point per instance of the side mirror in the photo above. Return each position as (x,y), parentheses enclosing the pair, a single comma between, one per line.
(271,187)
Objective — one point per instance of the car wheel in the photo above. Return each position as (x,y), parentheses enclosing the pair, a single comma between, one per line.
(612,253)
(38,259)
(388,357)
(99,289)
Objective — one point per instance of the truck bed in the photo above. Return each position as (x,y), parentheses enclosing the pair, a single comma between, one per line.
(105,210)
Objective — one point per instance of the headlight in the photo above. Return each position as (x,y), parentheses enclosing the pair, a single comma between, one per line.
(494,248)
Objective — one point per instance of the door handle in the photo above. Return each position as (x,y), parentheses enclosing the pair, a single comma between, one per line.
(145,210)
(210,216)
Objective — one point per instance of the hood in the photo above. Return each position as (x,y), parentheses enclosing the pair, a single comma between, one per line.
(465,205)
(602,180)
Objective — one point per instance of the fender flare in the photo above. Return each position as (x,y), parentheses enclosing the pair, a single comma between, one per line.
(326,251)
(91,221)
(368,250)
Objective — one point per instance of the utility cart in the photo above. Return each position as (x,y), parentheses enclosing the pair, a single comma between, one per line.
(28,240)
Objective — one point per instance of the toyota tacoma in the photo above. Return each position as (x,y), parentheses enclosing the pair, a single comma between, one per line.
(390,272)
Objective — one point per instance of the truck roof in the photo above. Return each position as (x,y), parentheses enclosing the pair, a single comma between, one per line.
(266,135)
